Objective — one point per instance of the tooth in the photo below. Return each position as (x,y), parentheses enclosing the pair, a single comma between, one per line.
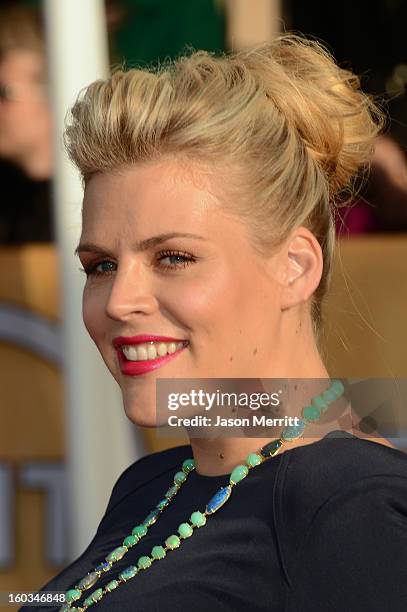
(142,352)
(130,352)
(171,347)
(162,349)
(151,352)
(179,345)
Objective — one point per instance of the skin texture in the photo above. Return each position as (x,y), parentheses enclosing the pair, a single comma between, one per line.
(245,316)
(25,118)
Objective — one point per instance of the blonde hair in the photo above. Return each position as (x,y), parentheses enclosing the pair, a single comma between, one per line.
(296,125)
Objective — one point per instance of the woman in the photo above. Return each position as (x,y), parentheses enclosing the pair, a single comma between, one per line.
(208,226)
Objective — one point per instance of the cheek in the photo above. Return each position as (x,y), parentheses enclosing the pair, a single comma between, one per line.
(93,314)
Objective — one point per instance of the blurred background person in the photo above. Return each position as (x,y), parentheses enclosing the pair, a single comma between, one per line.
(25,129)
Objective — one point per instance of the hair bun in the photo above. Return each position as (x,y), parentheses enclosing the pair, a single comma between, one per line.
(336,121)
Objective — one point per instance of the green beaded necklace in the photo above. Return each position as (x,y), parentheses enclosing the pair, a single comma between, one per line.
(310,413)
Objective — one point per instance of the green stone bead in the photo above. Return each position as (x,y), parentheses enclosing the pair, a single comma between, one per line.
(311,413)
(172,541)
(139,531)
(319,402)
(158,552)
(116,554)
(188,465)
(72,595)
(185,530)
(337,387)
(198,519)
(88,602)
(130,541)
(113,584)
(96,595)
(128,573)
(253,459)
(144,562)
(172,491)
(329,396)
(180,477)
(238,473)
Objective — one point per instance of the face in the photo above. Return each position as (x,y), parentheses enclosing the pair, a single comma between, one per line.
(24,112)
(211,290)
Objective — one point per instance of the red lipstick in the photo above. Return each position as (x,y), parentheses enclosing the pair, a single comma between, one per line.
(135,368)
(120,340)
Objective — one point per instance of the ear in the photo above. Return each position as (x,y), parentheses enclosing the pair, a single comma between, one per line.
(302,265)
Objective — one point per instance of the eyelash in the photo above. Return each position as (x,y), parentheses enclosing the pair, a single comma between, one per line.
(91,270)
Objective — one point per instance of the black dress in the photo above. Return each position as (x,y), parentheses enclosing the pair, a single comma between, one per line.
(321,527)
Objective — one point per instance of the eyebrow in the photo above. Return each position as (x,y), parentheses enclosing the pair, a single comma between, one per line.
(143,245)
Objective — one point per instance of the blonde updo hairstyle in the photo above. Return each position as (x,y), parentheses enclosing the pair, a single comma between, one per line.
(294,125)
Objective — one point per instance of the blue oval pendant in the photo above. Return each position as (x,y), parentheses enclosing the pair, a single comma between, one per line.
(218,499)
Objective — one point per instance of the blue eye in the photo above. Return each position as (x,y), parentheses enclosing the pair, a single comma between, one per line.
(178,259)
(91,270)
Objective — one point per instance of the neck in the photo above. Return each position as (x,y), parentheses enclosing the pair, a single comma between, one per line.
(216,456)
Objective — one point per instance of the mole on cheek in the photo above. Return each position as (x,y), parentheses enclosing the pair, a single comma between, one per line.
(255,351)
(231,358)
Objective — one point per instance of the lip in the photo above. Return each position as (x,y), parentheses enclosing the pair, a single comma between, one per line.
(140,338)
(136,368)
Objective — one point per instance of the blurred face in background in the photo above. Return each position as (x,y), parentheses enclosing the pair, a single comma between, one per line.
(24,110)
(214,292)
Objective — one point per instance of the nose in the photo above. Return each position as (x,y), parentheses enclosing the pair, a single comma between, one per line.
(131,293)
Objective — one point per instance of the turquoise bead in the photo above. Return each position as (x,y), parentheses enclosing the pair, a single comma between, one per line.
(172,541)
(188,465)
(238,473)
(319,402)
(144,562)
(292,432)
(253,459)
(198,519)
(116,554)
(337,387)
(185,530)
(139,531)
(72,595)
(113,584)
(311,413)
(96,595)
(158,552)
(130,541)
(329,396)
(180,477)
(172,491)
(88,602)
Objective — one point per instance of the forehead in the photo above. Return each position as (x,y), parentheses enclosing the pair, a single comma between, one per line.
(155,187)
(156,197)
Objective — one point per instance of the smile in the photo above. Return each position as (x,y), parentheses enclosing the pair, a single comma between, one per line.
(144,357)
